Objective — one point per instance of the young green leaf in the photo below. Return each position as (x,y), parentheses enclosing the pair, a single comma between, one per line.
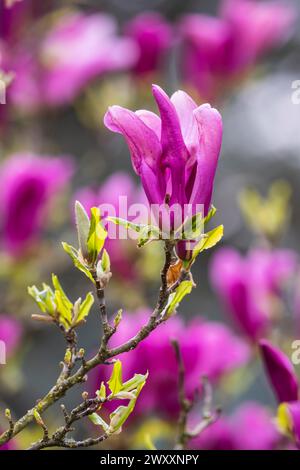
(63,304)
(192,228)
(210,215)
(148,234)
(98,421)
(125,223)
(135,382)
(101,393)
(120,415)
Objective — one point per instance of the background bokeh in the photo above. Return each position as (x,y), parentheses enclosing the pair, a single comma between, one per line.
(261,144)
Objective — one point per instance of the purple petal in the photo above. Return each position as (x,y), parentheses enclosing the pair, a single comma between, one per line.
(151,120)
(280,372)
(174,150)
(141,140)
(293,410)
(210,131)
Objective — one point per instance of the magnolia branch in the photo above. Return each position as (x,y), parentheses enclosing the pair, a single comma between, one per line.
(67,380)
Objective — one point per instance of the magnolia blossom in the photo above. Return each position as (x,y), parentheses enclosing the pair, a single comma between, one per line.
(153,36)
(250,427)
(250,286)
(117,193)
(286,388)
(218,50)
(175,155)
(208,349)
(29,182)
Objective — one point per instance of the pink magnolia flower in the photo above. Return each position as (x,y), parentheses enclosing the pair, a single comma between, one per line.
(115,188)
(285,384)
(217,51)
(78,49)
(234,432)
(153,36)
(175,155)
(10,333)
(207,348)
(28,183)
(249,285)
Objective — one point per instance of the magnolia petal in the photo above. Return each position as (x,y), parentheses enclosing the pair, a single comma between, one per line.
(210,130)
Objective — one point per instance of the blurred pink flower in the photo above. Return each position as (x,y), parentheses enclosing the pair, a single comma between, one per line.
(249,285)
(207,348)
(28,183)
(112,189)
(216,51)
(10,332)
(250,427)
(153,36)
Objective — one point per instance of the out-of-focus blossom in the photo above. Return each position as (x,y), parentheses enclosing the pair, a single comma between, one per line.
(175,155)
(78,49)
(250,286)
(217,51)
(11,445)
(13,18)
(234,432)
(28,182)
(153,36)
(285,385)
(207,348)
(10,333)
(114,188)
